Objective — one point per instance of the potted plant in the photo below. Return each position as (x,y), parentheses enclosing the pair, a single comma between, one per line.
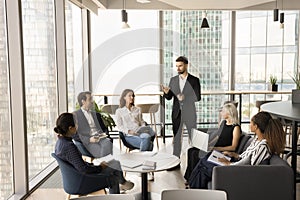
(296,92)
(273,81)
(106,117)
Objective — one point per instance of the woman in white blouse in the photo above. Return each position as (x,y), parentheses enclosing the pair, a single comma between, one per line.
(131,124)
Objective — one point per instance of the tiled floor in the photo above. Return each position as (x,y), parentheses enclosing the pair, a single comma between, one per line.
(163,180)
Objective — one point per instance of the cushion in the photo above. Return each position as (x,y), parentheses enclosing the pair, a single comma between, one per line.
(243,143)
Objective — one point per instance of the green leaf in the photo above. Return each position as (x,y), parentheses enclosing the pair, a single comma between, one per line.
(106,117)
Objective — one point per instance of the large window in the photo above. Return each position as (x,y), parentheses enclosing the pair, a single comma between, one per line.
(40,81)
(6,172)
(75,67)
(264,49)
(207,51)
(125,58)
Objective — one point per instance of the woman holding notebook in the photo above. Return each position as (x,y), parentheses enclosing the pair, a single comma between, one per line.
(227,137)
(269,139)
(131,124)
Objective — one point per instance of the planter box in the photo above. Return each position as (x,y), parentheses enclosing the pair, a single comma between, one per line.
(295,96)
(273,88)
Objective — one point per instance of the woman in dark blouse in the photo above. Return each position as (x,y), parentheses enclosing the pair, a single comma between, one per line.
(228,136)
(67,151)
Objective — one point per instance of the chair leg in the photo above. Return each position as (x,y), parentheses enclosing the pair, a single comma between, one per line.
(120,143)
(153,122)
(99,192)
(68,196)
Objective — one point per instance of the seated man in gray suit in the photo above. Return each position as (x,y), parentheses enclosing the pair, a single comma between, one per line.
(91,128)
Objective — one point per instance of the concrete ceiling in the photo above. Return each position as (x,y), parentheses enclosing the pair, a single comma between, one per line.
(201,4)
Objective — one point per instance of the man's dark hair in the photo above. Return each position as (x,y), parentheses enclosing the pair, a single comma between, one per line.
(182,59)
(82,96)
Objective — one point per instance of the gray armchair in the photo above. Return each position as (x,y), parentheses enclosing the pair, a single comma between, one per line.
(263,182)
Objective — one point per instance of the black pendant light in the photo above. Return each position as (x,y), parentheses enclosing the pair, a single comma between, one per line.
(281,20)
(204,23)
(124,17)
(275,13)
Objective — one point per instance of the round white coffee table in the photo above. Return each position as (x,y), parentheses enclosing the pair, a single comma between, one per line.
(133,162)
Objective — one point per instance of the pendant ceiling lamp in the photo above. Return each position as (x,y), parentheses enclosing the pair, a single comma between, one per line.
(124,17)
(275,14)
(281,20)
(204,21)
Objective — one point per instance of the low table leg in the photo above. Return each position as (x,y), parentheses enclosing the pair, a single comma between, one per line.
(144,186)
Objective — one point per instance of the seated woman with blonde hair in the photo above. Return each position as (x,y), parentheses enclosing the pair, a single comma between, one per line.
(226,139)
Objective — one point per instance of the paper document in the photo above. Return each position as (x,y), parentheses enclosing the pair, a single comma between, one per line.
(215,155)
(108,158)
(130,163)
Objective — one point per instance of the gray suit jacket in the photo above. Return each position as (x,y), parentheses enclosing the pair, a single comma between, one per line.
(100,149)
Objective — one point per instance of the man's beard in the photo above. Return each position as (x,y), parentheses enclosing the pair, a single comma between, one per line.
(181,72)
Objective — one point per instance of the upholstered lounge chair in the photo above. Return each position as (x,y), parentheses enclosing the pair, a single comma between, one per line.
(262,182)
(76,183)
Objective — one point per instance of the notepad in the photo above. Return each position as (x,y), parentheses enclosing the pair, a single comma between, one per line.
(99,135)
(149,165)
(215,155)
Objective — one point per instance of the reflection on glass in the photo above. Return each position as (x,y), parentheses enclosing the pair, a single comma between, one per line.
(74,53)
(40,81)
(6,172)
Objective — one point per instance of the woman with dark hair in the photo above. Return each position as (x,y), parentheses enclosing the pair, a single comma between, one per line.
(66,150)
(269,139)
(131,124)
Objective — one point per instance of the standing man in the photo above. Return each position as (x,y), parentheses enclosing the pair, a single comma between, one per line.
(91,128)
(185,91)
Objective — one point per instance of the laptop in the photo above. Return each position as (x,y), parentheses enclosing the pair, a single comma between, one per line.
(200,140)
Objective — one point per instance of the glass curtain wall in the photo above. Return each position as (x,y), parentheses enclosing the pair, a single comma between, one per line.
(207,51)
(6,170)
(74,53)
(264,49)
(40,81)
